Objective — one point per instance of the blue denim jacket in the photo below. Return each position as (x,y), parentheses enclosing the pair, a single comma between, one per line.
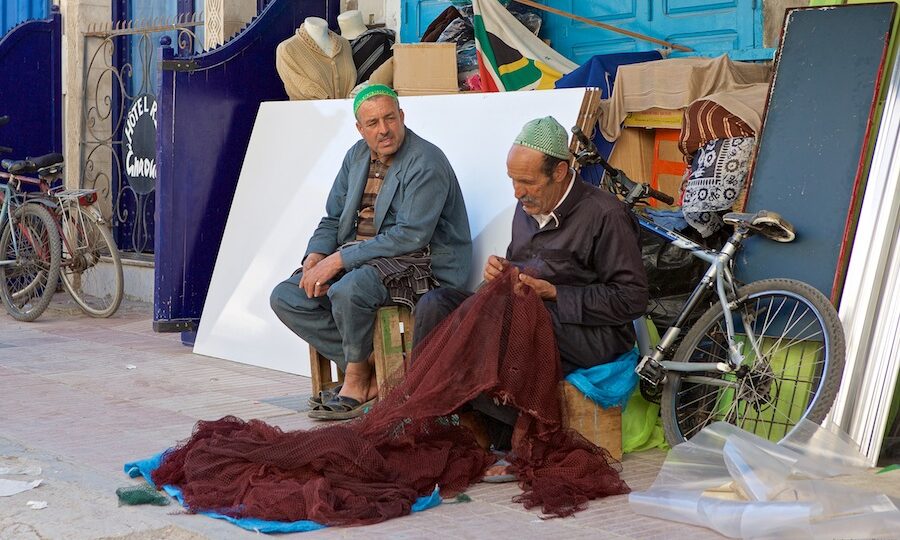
(420,203)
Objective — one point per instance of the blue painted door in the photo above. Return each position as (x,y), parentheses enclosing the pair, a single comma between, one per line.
(710,27)
(12,12)
(416,15)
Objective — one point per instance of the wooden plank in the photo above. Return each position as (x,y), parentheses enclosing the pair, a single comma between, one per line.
(320,367)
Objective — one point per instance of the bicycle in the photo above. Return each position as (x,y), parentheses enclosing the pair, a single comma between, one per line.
(762,356)
(85,239)
(30,252)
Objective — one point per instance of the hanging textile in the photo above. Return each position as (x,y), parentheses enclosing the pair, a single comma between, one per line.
(510,57)
(499,341)
(716,178)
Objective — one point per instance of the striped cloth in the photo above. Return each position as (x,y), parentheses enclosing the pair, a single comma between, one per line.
(371,49)
(406,277)
(706,121)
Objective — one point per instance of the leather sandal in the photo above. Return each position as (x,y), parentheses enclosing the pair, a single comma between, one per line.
(341,408)
(314,402)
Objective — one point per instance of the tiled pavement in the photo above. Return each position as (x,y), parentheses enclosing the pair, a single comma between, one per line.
(80,397)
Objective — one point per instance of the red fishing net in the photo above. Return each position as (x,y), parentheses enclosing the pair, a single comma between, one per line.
(499,341)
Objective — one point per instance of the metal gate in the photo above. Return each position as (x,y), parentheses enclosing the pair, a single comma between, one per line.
(116,156)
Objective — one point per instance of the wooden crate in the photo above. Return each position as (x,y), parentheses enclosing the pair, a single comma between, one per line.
(391,348)
(602,427)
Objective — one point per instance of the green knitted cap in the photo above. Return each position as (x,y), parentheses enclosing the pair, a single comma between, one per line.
(545,135)
(370,92)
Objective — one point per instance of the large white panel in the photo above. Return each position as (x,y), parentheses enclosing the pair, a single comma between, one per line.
(294,153)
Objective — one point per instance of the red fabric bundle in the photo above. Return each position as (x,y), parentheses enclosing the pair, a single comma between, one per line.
(500,341)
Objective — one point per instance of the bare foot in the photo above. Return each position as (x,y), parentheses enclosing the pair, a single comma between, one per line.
(497,470)
(359,381)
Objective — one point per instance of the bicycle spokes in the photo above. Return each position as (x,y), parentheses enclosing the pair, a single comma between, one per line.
(782,339)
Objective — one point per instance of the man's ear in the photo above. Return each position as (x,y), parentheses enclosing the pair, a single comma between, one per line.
(359,127)
(561,172)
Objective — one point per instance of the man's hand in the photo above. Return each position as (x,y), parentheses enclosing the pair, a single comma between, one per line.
(319,272)
(494,267)
(545,289)
(311,260)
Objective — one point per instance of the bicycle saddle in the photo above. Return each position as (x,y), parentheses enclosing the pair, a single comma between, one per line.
(32,164)
(769,224)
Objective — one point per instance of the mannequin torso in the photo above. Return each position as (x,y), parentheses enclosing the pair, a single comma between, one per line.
(317,29)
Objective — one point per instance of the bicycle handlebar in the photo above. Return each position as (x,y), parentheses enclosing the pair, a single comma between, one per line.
(5,150)
(636,190)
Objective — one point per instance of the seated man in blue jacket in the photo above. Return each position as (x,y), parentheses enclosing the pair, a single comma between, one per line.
(395,226)
(580,246)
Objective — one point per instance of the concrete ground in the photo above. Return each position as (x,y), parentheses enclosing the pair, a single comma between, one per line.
(79,397)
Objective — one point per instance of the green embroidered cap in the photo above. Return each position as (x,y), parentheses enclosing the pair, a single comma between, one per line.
(370,92)
(545,135)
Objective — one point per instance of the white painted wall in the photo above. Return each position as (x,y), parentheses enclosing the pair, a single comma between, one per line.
(266,236)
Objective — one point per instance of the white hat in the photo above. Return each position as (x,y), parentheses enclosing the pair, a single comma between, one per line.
(351,24)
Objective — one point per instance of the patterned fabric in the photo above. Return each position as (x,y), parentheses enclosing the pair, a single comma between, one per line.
(546,135)
(716,179)
(705,121)
(371,49)
(406,277)
(365,217)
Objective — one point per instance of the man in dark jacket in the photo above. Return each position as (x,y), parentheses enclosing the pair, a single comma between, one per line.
(578,248)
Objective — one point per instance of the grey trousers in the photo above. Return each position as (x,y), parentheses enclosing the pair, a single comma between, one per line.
(341,323)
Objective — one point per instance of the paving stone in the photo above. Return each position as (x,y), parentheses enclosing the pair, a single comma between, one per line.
(69,401)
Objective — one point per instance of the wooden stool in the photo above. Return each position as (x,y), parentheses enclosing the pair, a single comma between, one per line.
(602,427)
(391,348)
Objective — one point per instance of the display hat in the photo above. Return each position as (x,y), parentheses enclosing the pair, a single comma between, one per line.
(370,92)
(545,135)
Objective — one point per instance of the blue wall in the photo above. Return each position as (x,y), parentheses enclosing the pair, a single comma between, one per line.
(12,12)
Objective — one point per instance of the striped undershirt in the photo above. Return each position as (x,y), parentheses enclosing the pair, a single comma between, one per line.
(365,217)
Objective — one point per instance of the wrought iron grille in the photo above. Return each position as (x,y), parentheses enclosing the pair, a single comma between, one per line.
(114,78)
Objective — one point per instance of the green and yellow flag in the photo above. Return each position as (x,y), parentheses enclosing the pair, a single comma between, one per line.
(510,57)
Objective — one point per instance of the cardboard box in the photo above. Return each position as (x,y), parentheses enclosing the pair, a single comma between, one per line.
(652,157)
(655,118)
(633,154)
(425,69)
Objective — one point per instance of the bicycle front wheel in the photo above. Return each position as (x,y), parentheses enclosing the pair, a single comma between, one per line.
(91,270)
(32,240)
(792,343)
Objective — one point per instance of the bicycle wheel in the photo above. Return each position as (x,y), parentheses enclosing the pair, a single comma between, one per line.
(96,288)
(28,286)
(792,365)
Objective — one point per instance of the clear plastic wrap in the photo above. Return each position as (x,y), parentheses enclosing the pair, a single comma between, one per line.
(742,486)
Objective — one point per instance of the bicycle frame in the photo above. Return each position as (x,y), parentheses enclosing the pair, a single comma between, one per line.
(718,275)
(8,196)
(49,197)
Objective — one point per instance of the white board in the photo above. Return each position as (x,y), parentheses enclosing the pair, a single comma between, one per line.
(294,154)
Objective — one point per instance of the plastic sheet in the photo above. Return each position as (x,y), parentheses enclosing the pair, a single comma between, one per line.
(743,486)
